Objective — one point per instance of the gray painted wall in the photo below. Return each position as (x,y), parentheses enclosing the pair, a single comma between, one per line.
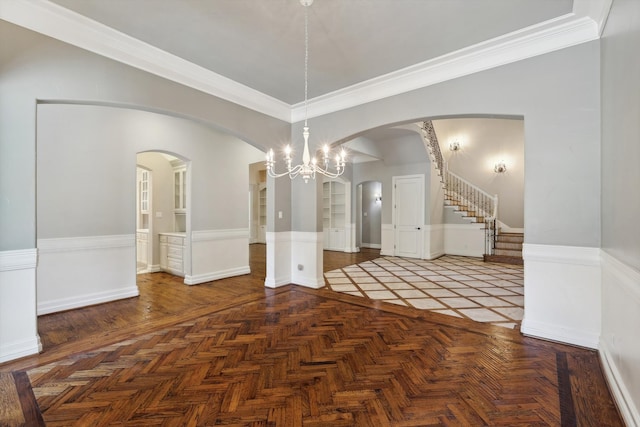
(86,179)
(621,133)
(557,95)
(34,67)
(485,141)
(378,171)
(621,200)
(371,212)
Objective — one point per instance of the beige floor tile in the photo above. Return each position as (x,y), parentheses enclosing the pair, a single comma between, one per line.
(425,303)
(498,291)
(482,315)
(371,286)
(440,293)
(344,288)
(458,302)
(490,301)
(470,292)
(468,285)
(338,280)
(513,313)
(380,295)
(411,293)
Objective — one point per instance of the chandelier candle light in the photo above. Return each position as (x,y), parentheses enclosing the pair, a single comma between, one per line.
(309,166)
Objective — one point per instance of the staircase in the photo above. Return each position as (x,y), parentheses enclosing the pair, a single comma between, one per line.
(507,249)
(476,205)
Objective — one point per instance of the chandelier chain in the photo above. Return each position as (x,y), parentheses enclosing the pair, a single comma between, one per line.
(306,62)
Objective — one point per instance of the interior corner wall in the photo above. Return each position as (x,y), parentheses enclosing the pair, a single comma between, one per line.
(619,344)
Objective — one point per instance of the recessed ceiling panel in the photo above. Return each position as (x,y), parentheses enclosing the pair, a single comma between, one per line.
(260,43)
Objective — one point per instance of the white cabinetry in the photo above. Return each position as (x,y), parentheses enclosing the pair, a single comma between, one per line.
(180,198)
(335,203)
(172,253)
(142,248)
(262,214)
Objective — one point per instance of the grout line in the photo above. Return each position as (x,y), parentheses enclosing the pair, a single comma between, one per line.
(443,268)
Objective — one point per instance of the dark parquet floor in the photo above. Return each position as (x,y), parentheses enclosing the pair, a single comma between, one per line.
(232,352)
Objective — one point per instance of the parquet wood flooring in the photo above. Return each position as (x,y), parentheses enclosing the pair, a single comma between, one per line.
(292,356)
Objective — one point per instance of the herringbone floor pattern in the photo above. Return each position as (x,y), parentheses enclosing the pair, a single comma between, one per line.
(299,359)
(231,352)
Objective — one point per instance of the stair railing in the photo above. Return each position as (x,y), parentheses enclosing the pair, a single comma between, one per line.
(429,135)
(463,193)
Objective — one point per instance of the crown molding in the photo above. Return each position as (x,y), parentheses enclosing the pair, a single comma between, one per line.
(559,33)
(583,25)
(70,27)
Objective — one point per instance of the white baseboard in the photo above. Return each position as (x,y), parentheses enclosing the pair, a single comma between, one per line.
(553,332)
(218,254)
(619,344)
(278,259)
(464,239)
(216,275)
(562,294)
(84,300)
(621,394)
(17,349)
(78,271)
(371,245)
(18,320)
(306,259)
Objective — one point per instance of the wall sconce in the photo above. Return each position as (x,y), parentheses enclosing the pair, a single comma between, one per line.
(500,167)
(454,146)
(378,198)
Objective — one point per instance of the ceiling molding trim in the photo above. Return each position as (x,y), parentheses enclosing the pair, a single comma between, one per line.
(70,27)
(559,33)
(598,10)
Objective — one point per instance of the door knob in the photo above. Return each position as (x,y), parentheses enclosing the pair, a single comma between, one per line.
(418,228)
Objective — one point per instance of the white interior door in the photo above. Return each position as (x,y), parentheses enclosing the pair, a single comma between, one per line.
(408,215)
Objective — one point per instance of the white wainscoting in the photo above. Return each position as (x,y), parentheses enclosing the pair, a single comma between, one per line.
(18,319)
(619,344)
(306,259)
(217,254)
(387,240)
(433,238)
(562,291)
(278,259)
(464,239)
(80,271)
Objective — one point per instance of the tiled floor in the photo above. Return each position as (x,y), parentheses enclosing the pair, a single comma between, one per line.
(453,285)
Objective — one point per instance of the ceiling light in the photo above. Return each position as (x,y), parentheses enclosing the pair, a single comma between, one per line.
(309,166)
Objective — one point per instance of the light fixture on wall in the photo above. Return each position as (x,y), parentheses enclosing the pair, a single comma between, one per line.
(309,166)
(378,198)
(454,145)
(500,167)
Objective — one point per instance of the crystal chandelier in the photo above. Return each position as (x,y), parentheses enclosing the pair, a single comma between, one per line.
(309,166)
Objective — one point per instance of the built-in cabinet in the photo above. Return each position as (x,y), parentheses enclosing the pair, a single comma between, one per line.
(262,213)
(334,215)
(172,253)
(180,198)
(143,221)
(142,246)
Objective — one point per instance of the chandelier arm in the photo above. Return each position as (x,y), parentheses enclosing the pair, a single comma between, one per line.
(309,166)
